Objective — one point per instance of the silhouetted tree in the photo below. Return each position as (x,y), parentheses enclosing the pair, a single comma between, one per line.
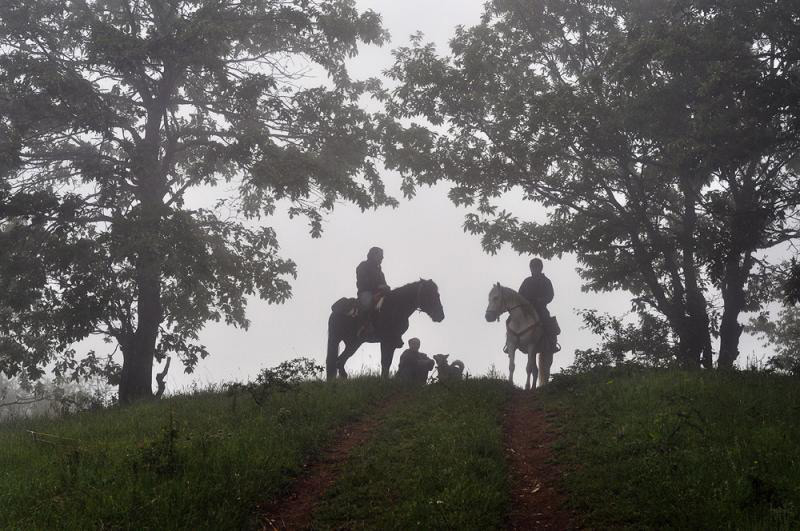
(658,135)
(782,333)
(111,113)
(648,342)
(791,286)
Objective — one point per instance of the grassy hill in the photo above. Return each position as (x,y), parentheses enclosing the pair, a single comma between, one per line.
(672,449)
(638,449)
(192,462)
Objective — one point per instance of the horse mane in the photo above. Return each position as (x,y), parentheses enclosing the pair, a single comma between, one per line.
(512,295)
(409,286)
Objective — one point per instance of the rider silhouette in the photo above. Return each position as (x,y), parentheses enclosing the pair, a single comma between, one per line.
(538,290)
(369,281)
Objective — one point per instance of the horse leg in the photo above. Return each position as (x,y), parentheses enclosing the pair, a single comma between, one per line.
(531,369)
(511,350)
(387,355)
(333,356)
(545,361)
(349,350)
(511,354)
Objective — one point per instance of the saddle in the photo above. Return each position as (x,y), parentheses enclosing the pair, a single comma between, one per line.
(549,340)
(551,333)
(345,306)
(349,306)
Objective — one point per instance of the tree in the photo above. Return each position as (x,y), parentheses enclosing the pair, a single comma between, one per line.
(783,334)
(646,343)
(791,285)
(113,112)
(659,136)
(781,330)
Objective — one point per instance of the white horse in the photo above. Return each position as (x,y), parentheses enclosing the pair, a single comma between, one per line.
(524,331)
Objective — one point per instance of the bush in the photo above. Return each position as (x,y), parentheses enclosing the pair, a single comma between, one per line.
(283,377)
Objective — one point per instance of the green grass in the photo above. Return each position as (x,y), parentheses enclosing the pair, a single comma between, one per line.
(191,462)
(640,449)
(435,462)
(671,449)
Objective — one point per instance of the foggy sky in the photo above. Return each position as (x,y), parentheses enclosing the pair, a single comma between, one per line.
(423,238)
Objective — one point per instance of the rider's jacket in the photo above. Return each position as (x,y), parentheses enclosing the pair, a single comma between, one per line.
(538,290)
(369,276)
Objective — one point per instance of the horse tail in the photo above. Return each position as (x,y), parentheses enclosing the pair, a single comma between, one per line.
(332,357)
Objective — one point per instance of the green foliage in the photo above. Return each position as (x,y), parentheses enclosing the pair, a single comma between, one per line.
(791,286)
(435,462)
(187,462)
(113,113)
(783,334)
(286,376)
(658,135)
(679,450)
(646,343)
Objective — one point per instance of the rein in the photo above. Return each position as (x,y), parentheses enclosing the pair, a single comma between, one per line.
(509,310)
(418,302)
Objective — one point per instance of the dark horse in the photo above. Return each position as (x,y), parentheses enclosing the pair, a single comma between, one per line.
(391,322)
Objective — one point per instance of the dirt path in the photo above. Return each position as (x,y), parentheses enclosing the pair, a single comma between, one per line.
(294,510)
(537,501)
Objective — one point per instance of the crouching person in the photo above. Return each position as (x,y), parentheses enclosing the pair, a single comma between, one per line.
(414,365)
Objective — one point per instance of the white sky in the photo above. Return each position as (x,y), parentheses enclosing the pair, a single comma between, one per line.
(421,238)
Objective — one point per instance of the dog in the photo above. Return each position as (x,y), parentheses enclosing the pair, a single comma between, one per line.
(448,371)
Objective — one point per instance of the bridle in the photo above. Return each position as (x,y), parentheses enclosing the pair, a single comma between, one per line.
(502,302)
(509,310)
(418,302)
(503,309)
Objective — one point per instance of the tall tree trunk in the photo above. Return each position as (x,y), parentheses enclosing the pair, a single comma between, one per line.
(696,331)
(135,382)
(747,223)
(692,333)
(137,370)
(734,300)
(729,333)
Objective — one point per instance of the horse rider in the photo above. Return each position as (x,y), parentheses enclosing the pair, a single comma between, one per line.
(369,282)
(538,290)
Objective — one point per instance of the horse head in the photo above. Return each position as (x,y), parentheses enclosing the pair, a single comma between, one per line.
(429,301)
(496,304)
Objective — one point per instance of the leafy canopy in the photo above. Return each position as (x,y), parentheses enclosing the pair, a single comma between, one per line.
(658,136)
(119,117)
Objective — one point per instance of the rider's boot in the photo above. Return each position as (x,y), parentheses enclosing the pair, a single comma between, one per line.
(367,327)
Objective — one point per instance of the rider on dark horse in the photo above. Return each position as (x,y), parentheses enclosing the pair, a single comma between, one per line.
(346,323)
(538,290)
(369,283)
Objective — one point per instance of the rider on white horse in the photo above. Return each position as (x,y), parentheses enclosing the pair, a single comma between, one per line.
(538,290)
(524,331)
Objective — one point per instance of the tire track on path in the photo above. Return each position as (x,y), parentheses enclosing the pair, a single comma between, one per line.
(295,509)
(537,501)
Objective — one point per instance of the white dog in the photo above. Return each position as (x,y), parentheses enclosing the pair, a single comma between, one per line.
(448,371)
